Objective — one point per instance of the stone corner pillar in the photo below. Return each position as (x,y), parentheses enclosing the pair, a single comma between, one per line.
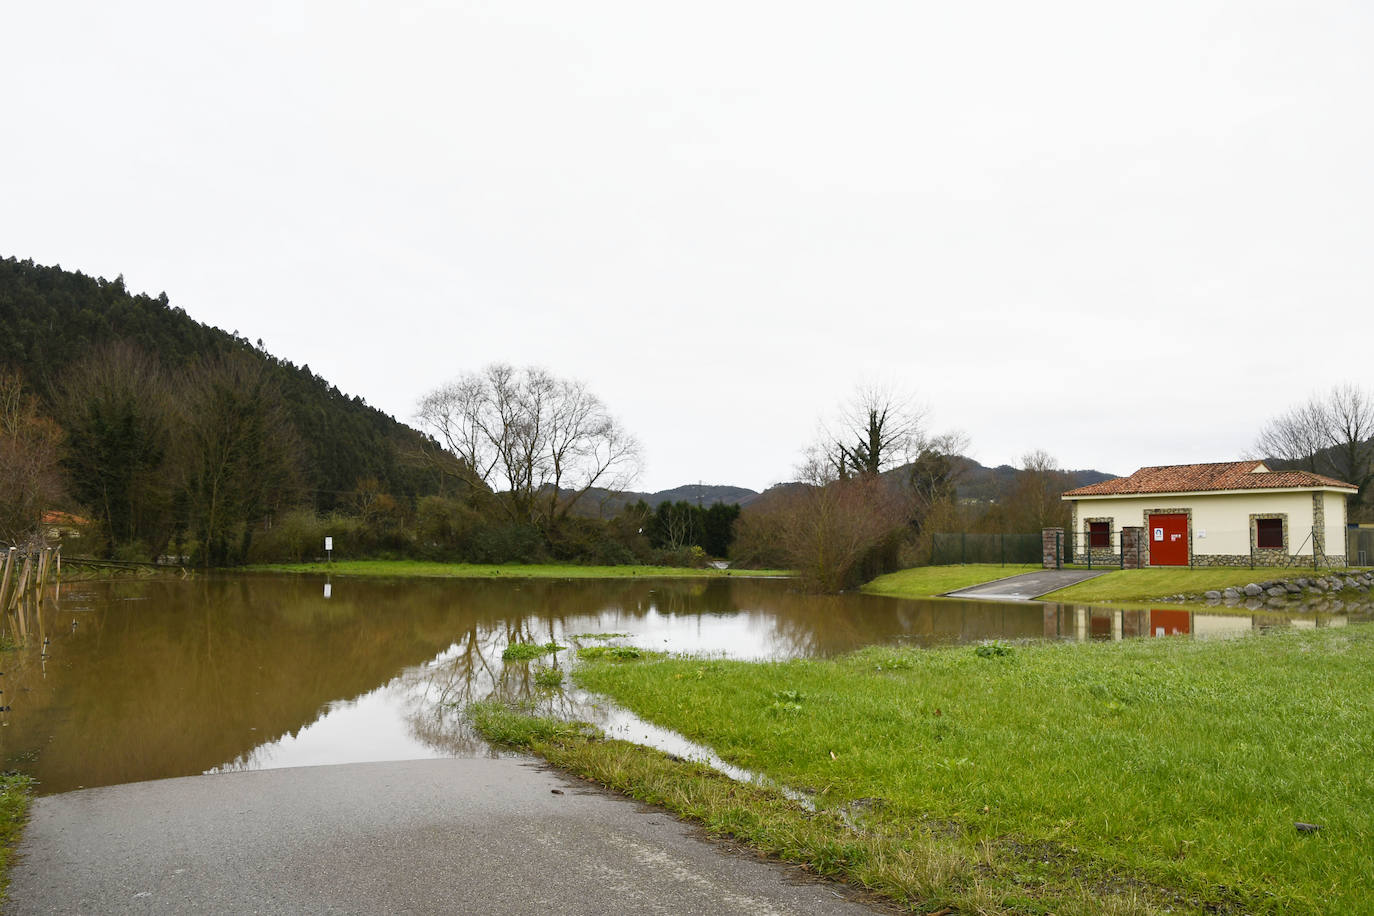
(1052,547)
(1135,550)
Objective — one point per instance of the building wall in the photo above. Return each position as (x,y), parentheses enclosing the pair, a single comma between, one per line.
(1222,529)
(1335,522)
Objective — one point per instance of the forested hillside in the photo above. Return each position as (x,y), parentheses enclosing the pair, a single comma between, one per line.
(164,437)
(50,319)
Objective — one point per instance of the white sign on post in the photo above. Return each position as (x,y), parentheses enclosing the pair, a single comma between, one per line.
(328,543)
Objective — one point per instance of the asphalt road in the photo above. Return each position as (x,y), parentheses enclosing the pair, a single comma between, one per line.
(497,836)
(1026,586)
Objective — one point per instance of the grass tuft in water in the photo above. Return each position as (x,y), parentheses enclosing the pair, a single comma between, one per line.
(591,636)
(613,653)
(518,726)
(524,651)
(549,678)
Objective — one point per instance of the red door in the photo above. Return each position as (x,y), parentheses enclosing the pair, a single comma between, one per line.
(1168,540)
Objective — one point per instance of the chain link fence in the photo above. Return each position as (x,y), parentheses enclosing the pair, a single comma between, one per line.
(1359,546)
(1000,549)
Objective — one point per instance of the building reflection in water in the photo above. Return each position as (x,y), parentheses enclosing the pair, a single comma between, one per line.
(1082,623)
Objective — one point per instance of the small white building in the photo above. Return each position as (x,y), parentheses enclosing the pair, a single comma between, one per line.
(1236,513)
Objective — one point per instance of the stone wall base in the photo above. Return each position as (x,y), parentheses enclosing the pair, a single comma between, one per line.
(1267,559)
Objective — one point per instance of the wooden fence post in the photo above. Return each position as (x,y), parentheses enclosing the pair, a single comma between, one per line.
(23,580)
(5,583)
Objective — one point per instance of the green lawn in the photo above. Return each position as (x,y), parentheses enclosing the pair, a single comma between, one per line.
(424,569)
(1128,585)
(1149,776)
(15,793)
(929,581)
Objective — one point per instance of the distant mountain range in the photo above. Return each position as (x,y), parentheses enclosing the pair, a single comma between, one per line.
(976,482)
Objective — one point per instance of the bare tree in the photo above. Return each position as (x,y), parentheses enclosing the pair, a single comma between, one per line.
(1350,431)
(1331,434)
(878,429)
(934,474)
(116,407)
(545,441)
(1033,502)
(831,532)
(238,454)
(1296,435)
(30,480)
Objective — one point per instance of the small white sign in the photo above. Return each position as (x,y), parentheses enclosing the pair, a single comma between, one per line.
(1159,534)
(328,543)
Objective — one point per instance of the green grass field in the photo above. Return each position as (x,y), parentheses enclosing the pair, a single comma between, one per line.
(1150,776)
(1138,585)
(929,581)
(15,793)
(424,569)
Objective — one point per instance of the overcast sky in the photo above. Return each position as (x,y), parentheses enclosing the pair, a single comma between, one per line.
(1124,233)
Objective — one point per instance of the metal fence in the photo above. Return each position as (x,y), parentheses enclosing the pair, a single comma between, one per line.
(948,549)
(1359,546)
(1097,550)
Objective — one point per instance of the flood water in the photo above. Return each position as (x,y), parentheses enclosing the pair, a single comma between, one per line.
(114,682)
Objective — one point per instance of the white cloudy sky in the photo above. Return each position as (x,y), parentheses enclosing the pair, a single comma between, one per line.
(1124,233)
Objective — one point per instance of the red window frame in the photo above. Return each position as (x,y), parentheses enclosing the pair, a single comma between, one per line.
(1099,535)
(1269,533)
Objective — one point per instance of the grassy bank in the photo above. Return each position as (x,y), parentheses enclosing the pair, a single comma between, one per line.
(929,581)
(424,569)
(1146,776)
(15,793)
(1139,585)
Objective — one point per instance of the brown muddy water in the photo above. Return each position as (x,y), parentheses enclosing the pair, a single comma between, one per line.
(115,682)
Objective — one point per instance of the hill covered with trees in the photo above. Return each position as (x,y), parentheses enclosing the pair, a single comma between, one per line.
(52,319)
(171,437)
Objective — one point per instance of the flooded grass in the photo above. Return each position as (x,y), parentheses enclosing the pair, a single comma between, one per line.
(16,791)
(921,866)
(423,569)
(1165,774)
(929,581)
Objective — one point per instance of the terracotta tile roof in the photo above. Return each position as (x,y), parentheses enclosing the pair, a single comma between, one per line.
(55,517)
(1190,478)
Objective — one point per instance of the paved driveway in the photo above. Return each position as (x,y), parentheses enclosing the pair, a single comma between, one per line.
(1027,586)
(489,836)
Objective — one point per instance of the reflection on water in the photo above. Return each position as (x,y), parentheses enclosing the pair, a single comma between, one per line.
(124,681)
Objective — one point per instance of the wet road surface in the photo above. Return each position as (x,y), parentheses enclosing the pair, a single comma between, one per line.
(1026,586)
(498,836)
